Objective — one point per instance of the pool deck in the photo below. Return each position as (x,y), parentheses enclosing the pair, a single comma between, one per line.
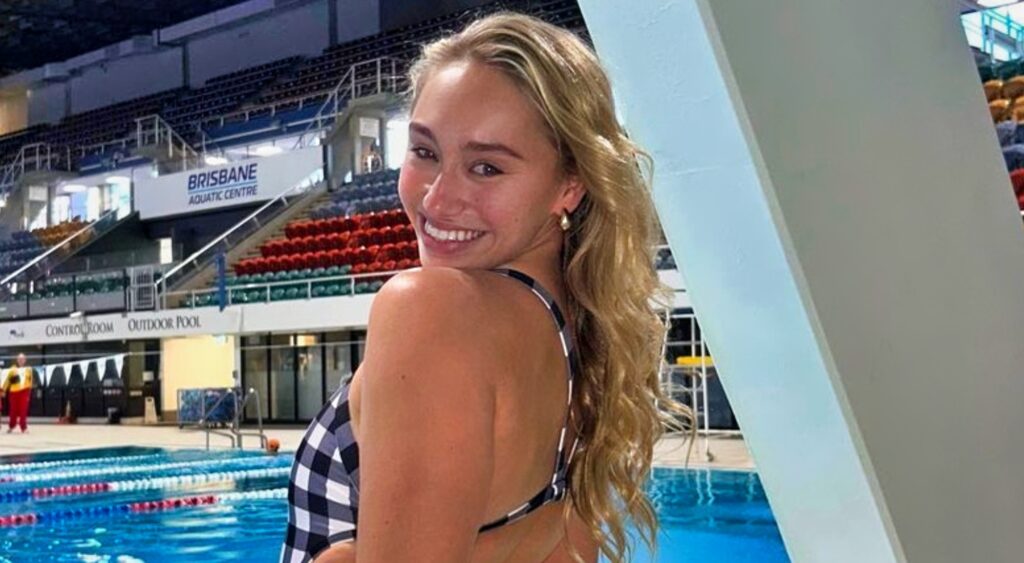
(726,452)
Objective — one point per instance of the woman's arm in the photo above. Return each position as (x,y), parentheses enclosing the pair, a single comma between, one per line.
(426,419)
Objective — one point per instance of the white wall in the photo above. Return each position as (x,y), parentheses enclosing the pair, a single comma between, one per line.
(357,18)
(303,30)
(126,78)
(47,103)
(194,361)
(13,111)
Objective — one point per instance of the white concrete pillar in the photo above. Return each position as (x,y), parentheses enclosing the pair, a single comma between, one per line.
(830,182)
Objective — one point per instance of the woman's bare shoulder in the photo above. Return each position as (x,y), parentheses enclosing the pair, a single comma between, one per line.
(431,294)
(437,314)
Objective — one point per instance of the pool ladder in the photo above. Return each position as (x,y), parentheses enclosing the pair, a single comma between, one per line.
(235,432)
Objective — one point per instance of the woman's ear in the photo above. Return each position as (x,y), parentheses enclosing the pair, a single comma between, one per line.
(571,195)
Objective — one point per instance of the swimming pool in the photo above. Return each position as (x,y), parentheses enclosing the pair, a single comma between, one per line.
(150,504)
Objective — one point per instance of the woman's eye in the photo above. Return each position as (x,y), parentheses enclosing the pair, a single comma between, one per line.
(485,169)
(422,152)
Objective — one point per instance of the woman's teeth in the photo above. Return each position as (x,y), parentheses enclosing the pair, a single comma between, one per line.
(442,235)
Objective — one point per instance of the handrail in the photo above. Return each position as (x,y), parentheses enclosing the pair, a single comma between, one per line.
(272,106)
(349,279)
(349,76)
(160,287)
(43,157)
(351,83)
(252,392)
(391,81)
(160,129)
(55,248)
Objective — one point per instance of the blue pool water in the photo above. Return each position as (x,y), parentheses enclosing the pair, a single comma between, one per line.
(719,516)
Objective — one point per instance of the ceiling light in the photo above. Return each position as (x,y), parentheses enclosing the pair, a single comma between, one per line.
(73,188)
(119,180)
(212,160)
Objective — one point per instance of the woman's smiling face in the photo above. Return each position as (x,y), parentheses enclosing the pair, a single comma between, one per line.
(482,182)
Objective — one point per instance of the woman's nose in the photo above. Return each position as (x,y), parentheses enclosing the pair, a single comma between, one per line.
(445,196)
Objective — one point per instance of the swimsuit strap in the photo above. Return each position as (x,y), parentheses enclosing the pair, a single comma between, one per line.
(556,489)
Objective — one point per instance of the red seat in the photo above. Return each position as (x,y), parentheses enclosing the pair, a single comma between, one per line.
(321,259)
(279,263)
(404,264)
(358,239)
(301,229)
(1017,179)
(336,224)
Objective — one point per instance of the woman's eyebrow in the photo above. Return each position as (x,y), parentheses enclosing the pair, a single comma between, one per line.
(415,127)
(475,146)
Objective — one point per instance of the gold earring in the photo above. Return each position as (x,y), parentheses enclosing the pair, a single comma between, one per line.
(564,222)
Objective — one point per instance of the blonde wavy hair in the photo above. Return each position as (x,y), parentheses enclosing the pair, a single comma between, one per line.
(608,262)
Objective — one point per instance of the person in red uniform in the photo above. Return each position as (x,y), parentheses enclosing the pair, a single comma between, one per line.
(17,390)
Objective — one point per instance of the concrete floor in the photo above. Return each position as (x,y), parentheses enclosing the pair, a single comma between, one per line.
(726,452)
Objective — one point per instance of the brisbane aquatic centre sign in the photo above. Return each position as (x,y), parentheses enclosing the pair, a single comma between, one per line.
(120,327)
(237,183)
(226,184)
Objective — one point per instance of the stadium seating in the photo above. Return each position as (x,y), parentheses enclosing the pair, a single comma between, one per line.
(259,90)
(1004,89)
(368,193)
(23,246)
(341,238)
(11,143)
(85,130)
(221,95)
(82,284)
(317,76)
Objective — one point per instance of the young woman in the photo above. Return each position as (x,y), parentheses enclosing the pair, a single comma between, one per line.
(505,409)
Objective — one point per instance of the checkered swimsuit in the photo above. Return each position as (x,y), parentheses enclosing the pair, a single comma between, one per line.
(323,494)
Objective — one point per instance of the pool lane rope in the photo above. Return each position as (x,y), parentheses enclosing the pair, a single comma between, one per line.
(68,462)
(171,482)
(32,518)
(80,473)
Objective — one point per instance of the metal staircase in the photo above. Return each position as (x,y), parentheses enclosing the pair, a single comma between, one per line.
(53,256)
(156,139)
(33,159)
(199,269)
